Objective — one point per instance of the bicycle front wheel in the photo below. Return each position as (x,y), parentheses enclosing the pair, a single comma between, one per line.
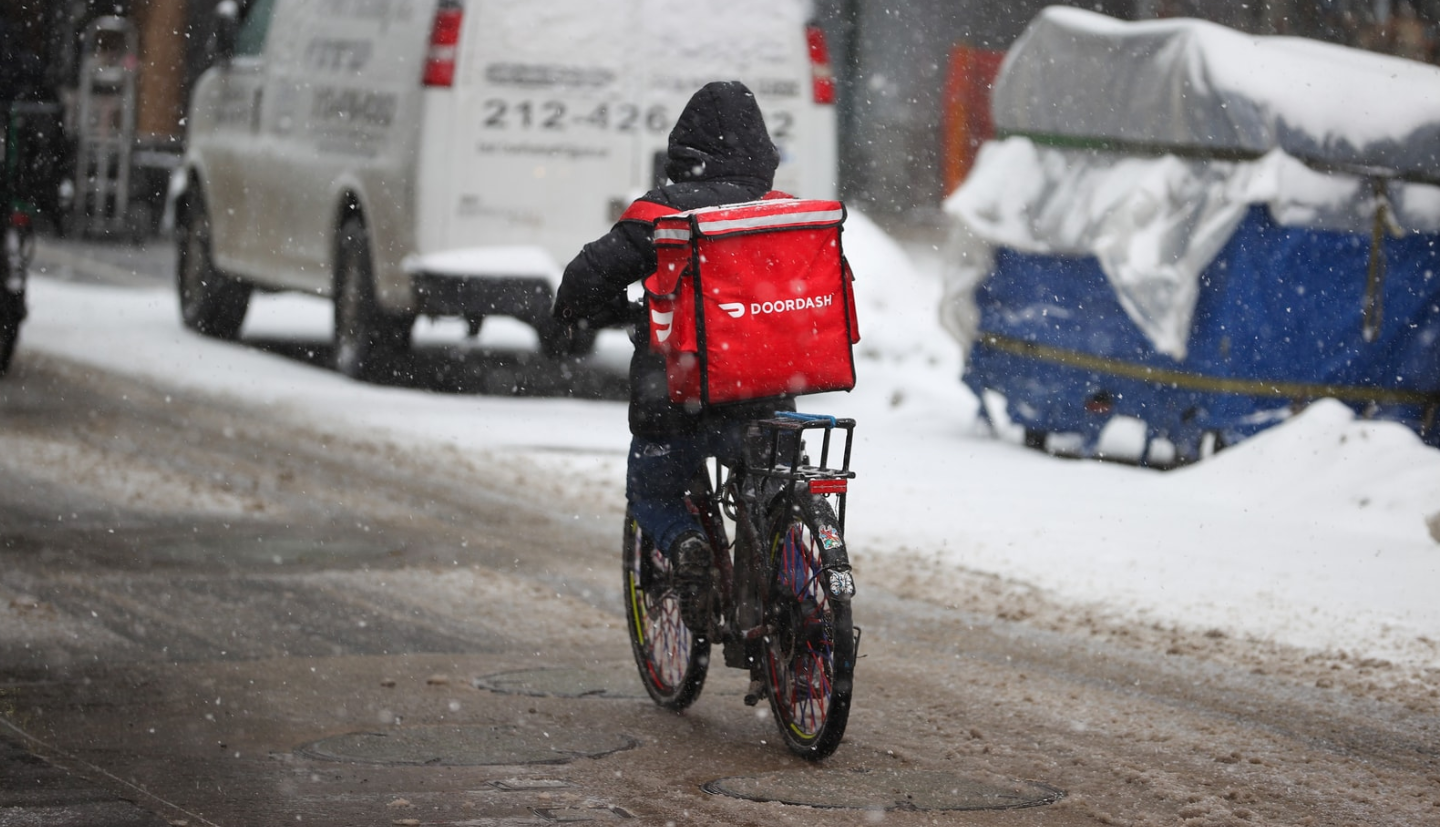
(672,660)
(810,652)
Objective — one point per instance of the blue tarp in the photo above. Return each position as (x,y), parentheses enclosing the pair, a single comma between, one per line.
(1279,321)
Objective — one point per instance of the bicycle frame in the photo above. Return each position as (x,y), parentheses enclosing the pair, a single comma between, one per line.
(774,474)
(780,606)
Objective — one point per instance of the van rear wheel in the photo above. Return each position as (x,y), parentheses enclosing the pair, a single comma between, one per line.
(368,340)
(211,303)
(12,313)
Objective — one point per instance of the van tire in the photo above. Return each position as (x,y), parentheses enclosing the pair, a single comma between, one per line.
(12,313)
(367,339)
(211,302)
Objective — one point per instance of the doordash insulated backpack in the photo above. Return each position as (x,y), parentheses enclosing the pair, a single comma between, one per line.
(753,300)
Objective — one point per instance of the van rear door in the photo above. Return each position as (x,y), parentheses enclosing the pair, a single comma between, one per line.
(762,43)
(537,131)
(559,109)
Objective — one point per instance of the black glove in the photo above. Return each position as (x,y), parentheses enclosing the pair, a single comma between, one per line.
(564,314)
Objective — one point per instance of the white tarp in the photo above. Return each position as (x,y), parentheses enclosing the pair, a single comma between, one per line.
(1196,84)
(1155,222)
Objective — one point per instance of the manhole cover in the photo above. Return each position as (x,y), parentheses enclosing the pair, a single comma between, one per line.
(616,681)
(619,681)
(887,790)
(467,746)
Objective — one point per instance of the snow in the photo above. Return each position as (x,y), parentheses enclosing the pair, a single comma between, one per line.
(1313,534)
(749,40)
(1079,73)
(515,261)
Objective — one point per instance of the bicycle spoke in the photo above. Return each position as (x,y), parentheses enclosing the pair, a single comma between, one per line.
(803,669)
(671,660)
(809,658)
(667,640)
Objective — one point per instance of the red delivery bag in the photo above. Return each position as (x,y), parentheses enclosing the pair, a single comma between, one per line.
(752,301)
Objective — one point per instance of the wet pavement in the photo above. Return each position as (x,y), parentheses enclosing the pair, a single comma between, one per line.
(322,658)
(35,791)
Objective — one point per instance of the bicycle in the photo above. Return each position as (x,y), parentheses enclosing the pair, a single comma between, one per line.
(783,595)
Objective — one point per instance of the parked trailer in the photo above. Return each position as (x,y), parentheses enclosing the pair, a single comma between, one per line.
(1199,230)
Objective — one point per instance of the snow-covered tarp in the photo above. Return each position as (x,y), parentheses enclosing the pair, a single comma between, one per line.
(1144,144)
(1190,83)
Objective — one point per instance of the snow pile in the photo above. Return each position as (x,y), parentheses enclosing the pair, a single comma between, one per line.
(899,350)
(1312,534)
(1190,83)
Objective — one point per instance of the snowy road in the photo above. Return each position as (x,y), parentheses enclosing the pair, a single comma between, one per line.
(200,594)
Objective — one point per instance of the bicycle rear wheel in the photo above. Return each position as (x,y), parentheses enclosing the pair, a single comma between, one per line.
(809,659)
(672,660)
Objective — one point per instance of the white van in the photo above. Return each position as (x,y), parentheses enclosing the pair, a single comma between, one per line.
(448,158)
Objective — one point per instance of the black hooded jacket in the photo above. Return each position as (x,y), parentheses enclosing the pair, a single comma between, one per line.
(719,153)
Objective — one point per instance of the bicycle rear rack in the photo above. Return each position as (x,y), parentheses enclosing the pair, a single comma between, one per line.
(778,453)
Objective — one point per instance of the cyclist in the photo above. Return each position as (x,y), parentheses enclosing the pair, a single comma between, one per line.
(719,153)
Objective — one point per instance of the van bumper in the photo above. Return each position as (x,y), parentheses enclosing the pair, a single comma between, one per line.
(441,294)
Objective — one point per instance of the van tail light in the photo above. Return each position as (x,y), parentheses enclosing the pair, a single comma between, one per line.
(444,44)
(821,75)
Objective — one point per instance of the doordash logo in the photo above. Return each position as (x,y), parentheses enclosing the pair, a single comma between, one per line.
(791,305)
(737,310)
(663,323)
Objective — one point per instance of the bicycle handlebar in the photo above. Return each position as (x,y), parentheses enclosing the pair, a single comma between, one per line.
(618,314)
(831,422)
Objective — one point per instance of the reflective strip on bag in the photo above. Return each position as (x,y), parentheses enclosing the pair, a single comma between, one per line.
(758,222)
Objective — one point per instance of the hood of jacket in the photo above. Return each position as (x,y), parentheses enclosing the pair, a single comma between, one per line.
(721,134)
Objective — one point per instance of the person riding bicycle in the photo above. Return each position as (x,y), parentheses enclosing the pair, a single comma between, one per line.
(719,152)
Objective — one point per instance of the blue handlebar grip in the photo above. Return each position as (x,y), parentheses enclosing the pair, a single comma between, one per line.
(804,417)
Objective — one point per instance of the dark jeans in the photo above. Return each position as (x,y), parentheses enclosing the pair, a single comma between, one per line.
(661,468)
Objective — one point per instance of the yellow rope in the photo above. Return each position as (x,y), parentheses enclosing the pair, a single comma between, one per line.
(1194,381)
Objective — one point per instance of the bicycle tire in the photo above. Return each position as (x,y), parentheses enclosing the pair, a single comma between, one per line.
(809,657)
(672,661)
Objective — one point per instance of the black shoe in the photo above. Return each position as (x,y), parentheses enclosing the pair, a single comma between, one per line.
(694,567)
(756,693)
